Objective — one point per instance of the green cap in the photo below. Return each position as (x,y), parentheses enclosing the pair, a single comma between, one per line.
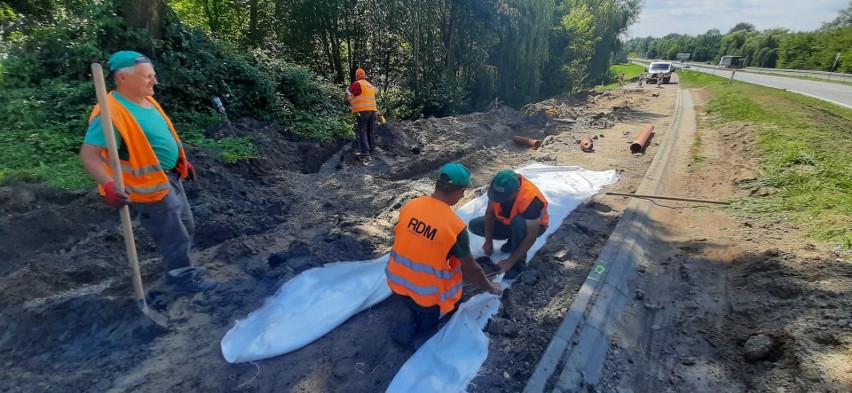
(455,174)
(126,58)
(504,184)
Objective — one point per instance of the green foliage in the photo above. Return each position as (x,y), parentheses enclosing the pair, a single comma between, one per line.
(523,49)
(817,50)
(233,148)
(429,57)
(584,42)
(805,150)
(43,129)
(308,123)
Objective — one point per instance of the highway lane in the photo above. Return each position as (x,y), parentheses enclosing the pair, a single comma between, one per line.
(832,92)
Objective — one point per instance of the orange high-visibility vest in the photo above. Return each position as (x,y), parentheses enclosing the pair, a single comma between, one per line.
(419,267)
(527,192)
(366,101)
(143,176)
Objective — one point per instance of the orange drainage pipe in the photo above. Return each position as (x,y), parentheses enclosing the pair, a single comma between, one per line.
(586,144)
(533,143)
(639,144)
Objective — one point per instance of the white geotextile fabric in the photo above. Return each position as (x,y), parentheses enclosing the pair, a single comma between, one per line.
(320,299)
(451,358)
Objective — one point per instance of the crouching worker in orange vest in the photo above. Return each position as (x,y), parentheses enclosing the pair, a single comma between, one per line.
(431,253)
(517,212)
(153,165)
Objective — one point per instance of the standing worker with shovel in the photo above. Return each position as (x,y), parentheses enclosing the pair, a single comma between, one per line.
(152,163)
(362,96)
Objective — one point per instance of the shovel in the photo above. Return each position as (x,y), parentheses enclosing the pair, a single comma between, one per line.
(155,320)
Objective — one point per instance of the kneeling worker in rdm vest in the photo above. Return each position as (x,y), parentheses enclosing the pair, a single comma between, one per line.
(153,163)
(431,252)
(517,212)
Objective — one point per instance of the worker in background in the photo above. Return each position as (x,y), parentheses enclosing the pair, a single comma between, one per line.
(621,79)
(430,255)
(153,163)
(517,212)
(362,95)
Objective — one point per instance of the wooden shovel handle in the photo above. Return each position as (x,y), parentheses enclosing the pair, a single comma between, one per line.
(126,225)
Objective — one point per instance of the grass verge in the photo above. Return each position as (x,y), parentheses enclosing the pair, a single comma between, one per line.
(805,151)
(631,74)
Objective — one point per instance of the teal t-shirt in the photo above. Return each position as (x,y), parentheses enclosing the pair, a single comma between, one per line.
(153,125)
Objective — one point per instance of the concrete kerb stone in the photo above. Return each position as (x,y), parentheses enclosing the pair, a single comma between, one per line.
(602,297)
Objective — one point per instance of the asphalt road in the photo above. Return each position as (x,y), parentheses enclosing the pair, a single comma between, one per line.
(831,92)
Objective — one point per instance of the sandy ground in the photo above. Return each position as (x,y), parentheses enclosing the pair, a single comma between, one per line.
(729,304)
(68,320)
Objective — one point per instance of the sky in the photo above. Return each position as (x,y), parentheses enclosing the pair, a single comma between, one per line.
(693,17)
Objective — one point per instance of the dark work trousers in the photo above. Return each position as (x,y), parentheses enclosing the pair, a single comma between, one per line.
(365,131)
(515,233)
(170,224)
(425,321)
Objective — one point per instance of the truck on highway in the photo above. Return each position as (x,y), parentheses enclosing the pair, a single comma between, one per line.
(731,62)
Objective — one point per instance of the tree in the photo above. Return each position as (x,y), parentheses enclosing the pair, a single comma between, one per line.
(742,26)
(844,19)
(795,50)
(523,49)
(732,43)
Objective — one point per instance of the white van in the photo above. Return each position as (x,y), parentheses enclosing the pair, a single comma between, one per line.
(660,69)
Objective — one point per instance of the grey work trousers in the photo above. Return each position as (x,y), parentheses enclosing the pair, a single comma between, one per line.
(515,233)
(170,224)
(365,131)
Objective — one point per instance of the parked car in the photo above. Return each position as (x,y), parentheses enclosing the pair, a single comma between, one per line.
(660,69)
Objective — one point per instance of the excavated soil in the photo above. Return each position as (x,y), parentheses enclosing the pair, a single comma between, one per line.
(69,321)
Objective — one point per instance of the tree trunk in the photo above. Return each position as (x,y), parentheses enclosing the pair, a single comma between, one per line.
(144,14)
(254,33)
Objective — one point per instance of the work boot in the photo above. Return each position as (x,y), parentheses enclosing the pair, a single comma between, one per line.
(507,247)
(516,270)
(190,280)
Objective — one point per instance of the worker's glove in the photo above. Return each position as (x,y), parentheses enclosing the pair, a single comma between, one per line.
(190,170)
(115,198)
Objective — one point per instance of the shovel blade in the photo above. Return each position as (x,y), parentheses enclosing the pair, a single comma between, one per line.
(157,322)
